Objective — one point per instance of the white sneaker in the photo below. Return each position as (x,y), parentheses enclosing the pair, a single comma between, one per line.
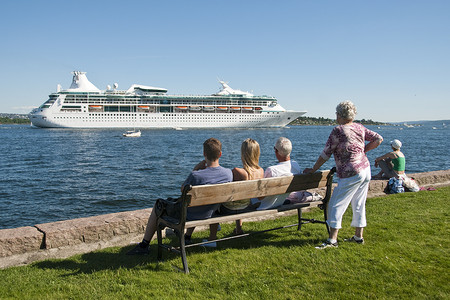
(327,244)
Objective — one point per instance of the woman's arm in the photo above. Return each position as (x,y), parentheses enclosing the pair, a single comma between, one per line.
(320,161)
(330,147)
(390,155)
(372,145)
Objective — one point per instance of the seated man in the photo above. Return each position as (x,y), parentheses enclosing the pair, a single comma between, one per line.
(206,172)
(285,167)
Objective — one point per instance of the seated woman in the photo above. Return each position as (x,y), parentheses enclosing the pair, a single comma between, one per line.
(392,164)
(250,153)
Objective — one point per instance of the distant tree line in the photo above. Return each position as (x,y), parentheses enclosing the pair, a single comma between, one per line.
(14,119)
(326,121)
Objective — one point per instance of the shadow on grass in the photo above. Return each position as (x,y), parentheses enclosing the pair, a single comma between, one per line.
(105,260)
(102,260)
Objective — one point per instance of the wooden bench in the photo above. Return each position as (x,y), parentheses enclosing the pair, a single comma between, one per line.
(172,212)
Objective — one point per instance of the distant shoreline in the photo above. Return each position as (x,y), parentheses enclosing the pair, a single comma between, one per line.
(313,121)
(14,119)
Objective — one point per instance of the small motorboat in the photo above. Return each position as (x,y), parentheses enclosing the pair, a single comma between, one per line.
(132,133)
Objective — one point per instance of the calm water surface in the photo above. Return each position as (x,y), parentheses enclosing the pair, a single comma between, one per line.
(57,174)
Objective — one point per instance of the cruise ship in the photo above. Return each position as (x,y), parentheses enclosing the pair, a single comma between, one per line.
(83,105)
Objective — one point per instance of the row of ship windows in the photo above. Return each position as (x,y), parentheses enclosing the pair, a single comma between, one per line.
(145,115)
(178,115)
(159,102)
(166,121)
(134,116)
(159,118)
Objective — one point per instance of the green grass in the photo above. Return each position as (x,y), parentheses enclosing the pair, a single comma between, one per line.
(405,256)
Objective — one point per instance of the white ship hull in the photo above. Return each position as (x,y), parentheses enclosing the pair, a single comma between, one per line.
(84,106)
(156,120)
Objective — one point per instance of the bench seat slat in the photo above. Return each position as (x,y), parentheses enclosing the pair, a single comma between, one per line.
(252,214)
(240,190)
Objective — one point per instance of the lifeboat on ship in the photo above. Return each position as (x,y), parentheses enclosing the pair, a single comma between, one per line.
(96,108)
(181,108)
(208,108)
(195,108)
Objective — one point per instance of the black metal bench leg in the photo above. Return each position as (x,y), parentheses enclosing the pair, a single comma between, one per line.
(159,236)
(326,218)
(183,253)
(299,213)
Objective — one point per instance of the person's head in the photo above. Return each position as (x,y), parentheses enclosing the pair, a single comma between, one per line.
(396,144)
(212,149)
(346,110)
(250,156)
(283,147)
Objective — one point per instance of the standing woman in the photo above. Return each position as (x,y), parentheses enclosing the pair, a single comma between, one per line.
(250,153)
(347,143)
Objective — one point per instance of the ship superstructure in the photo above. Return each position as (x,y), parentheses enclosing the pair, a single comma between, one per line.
(83,105)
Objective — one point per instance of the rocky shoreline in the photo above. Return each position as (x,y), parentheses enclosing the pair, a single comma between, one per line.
(23,245)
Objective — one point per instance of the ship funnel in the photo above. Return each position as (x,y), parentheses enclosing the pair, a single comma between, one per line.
(80,83)
(227,90)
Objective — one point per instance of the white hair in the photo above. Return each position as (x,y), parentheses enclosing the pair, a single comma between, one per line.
(346,110)
(284,146)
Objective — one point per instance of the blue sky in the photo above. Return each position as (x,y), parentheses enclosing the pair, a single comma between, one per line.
(391,58)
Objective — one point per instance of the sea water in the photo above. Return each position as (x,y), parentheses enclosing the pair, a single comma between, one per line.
(49,175)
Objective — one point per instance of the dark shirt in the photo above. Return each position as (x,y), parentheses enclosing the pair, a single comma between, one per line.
(210,175)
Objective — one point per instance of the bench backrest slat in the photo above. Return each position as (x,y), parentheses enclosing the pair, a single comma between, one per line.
(239,190)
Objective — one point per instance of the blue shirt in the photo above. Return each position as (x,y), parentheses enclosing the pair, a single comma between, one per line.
(210,175)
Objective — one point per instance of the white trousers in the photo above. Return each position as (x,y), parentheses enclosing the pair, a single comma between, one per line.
(349,190)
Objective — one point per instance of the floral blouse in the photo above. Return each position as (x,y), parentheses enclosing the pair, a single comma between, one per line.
(347,143)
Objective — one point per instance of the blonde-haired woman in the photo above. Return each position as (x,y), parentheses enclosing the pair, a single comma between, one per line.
(250,170)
